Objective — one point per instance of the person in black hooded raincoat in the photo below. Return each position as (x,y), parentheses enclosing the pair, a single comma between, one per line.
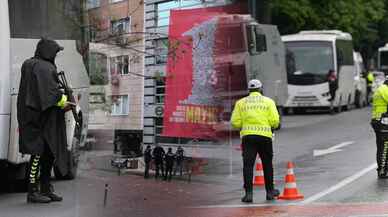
(41,107)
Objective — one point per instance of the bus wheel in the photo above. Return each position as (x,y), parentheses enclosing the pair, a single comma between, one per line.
(357,99)
(338,109)
(348,106)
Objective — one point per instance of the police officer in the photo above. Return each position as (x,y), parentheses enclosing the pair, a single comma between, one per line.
(369,82)
(158,154)
(179,155)
(170,157)
(147,161)
(256,116)
(379,110)
(41,108)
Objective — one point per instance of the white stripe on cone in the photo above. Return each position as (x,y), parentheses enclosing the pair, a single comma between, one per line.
(290,185)
(290,171)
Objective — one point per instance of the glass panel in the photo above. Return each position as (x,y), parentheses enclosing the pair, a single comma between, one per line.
(120,26)
(308,62)
(120,105)
(164,9)
(92,4)
(119,65)
(159,99)
(384,59)
(161,51)
(125,104)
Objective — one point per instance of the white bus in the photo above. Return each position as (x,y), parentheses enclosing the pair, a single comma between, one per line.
(382,59)
(309,57)
(360,97)
(23,23)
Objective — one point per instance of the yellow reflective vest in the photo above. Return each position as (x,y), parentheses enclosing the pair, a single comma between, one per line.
(370,78)
(380,101)
(255,115)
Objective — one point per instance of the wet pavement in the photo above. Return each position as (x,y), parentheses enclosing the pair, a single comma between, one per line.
(341,183)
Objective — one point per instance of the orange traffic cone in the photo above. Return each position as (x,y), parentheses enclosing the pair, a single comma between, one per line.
(290,190)
(259,174)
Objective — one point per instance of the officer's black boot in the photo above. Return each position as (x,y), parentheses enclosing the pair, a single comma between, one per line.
(273,194)
(248,198)
(382,174)
(34,196)
(48,191)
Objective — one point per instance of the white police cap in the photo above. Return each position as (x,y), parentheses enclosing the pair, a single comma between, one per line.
(255,84)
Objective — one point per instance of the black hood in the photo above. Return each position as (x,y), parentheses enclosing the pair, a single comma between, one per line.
(47,49)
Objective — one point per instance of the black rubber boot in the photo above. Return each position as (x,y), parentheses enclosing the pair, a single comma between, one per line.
(34,196)
(382,174)
(248,198)
(48,191)
(272,195)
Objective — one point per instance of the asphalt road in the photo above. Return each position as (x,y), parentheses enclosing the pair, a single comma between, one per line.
(340,182)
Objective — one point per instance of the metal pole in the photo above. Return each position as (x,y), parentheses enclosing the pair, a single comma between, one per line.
(230,127)
(105,194)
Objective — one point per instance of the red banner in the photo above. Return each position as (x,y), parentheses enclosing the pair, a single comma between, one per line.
(192,108)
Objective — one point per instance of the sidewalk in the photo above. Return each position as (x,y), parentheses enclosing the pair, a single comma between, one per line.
(211,171)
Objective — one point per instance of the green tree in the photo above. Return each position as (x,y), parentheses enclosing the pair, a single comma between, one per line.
(364,19)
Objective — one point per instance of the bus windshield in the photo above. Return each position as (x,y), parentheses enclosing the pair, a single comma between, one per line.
(308,61)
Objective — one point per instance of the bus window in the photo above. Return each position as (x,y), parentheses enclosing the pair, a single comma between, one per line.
(344,53)
(383,60)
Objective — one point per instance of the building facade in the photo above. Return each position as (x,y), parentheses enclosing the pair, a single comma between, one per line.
(117,71)
(157,14)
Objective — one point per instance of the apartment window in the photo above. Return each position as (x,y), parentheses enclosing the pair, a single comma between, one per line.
(92,4)
(114,1)
(119,65)
(161,51)
(165,7)
(121,26)
(160,89)
(96,98)
(120,105)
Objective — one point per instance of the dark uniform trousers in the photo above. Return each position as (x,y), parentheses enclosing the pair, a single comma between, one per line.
(251,146)
(159,167)
(147,169)
(382,147)
(44,164)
